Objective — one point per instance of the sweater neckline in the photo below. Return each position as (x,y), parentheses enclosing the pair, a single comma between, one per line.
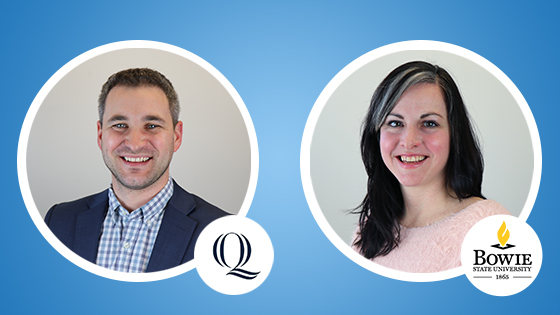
(447,218)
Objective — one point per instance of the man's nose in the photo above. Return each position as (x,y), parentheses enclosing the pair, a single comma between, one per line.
(411,138)
(135,138)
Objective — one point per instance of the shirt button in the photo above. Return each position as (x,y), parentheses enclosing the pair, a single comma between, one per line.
(126,245)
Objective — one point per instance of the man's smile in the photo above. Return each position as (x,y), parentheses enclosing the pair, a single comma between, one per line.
(136,159)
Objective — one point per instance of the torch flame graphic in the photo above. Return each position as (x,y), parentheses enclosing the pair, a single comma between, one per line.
(503,234)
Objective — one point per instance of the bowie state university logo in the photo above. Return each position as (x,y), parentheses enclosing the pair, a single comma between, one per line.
(233,255)
(244,255)
(505,268)
(502,262)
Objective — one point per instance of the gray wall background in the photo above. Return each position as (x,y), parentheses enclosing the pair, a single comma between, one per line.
(213,162)
(337,172)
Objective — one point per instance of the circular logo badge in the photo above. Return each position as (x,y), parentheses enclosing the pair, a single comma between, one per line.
(233,255)
(501,255)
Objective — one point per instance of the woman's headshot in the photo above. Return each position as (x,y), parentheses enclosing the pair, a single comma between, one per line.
(408,147)
(424,170)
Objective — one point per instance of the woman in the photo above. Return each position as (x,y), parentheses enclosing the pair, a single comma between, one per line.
(425,172)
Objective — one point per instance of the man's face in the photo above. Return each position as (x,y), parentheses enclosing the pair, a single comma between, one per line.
(137,137)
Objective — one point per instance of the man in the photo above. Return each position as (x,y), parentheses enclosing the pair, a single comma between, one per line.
(144,222)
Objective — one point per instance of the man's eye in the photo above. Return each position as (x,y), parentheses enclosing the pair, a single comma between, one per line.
(151,126)
(119,126)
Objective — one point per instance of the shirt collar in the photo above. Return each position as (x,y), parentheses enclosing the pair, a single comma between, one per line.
(147,213)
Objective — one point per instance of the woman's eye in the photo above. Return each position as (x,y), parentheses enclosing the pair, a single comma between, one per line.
(394,123)
(430,124)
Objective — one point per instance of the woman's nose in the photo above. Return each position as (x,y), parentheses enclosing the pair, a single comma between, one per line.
(411,138)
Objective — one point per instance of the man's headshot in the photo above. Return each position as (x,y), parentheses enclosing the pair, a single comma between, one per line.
(144,222)
(138,130)
(131,153)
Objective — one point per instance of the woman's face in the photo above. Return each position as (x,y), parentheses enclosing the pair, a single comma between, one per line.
(415,137)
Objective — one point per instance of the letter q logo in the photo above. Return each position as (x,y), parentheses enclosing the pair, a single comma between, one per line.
(244,255)
(233,255)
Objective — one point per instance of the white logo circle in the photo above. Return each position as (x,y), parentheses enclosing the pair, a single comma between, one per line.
(233,255)
(501,255)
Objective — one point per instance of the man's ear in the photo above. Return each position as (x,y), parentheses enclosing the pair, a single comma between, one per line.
(178,136)
(99,134)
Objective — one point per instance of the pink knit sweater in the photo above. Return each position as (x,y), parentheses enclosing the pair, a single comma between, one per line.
(437,247)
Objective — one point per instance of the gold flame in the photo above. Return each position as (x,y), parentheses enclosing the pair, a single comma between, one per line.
(503,234)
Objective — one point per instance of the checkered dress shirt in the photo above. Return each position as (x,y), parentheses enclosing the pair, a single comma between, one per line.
(127,239)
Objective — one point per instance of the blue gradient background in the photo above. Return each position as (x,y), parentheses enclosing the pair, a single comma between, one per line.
(279,57)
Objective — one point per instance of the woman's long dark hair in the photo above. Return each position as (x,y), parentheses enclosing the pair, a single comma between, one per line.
(383,205)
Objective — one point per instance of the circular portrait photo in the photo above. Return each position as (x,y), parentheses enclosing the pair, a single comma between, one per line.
(128,152)
(411,145)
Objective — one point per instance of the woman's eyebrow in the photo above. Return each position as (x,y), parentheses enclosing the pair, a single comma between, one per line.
(396,115)
(430,114)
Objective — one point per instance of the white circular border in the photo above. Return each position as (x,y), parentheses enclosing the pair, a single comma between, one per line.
(305,157)
(26,129)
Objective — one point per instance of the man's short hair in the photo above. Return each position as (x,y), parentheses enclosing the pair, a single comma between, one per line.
(138,77)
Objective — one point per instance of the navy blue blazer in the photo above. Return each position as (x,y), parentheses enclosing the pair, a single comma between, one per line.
(77,224)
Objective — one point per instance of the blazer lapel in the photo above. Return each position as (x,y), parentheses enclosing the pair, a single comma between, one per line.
(175,232)
(88,227)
